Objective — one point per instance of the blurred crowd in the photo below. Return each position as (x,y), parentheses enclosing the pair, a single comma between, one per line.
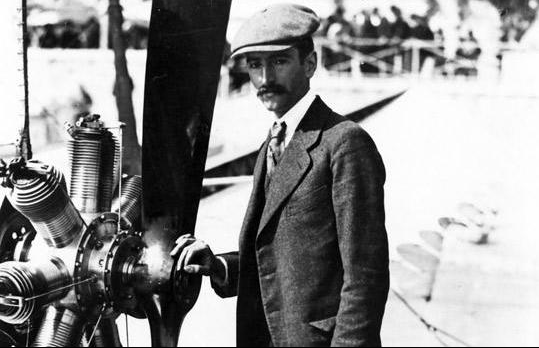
(371,32)
(371,24)
(517,17)
(515,25)
(72,35)
(377,33)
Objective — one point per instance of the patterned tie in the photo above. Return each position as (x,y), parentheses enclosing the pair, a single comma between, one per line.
(275,148)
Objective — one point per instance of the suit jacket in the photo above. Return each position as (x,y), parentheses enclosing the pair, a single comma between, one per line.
(312,266)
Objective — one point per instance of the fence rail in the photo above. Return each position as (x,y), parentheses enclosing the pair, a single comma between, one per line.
(383,56)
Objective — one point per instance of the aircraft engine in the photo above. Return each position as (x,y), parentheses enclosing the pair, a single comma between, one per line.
(90,264)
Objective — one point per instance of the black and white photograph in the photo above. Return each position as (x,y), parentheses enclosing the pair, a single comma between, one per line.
(269,173)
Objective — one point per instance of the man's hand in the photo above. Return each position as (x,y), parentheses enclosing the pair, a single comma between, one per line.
(196,257)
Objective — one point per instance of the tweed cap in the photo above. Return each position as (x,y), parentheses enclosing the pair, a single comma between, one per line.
(275,28)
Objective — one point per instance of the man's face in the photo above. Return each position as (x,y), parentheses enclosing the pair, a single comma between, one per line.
(281,78)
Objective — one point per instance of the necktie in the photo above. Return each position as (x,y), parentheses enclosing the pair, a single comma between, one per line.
(275,148)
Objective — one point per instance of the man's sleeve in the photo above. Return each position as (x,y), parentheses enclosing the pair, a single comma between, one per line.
(230,286)
(358,200)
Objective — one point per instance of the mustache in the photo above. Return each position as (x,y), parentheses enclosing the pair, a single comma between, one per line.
(277,89)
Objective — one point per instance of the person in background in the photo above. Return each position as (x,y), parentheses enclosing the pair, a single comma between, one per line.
(400,29)
(70,36)
(421,31)
(339,33)
(91,34)
(468,53)
(48,39)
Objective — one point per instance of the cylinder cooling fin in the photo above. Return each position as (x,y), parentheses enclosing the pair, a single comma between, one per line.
(26,287)
(94,155)
(39,193)
(129,204)
(61,327)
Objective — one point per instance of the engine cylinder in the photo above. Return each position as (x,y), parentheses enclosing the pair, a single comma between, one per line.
(129,205)
(26,288)
(43,199)
(93,158)
(61,327)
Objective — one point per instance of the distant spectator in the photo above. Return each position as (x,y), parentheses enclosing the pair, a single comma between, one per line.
(469,47)
(369,26)
(364,27)
(420,29)
(433,7)
(439,39)
(337,29)
(237,74)
(137,36)
(91,34)
(70,36)
(381,23)
(468,52)
(337,20)
(48,39)
(399,28)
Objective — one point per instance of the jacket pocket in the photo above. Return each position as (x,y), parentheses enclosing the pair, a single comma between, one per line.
(326,325)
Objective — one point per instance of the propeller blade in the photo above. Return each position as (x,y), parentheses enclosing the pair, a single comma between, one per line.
(185,50)
(106,334)
(165,317)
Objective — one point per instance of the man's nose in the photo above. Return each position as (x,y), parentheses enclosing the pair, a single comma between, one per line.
(268,75)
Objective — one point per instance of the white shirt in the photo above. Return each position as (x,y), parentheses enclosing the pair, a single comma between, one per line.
(294,116)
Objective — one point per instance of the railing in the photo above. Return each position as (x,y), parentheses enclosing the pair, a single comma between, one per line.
(389,57)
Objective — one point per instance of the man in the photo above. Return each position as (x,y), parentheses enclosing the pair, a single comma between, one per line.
(312,266)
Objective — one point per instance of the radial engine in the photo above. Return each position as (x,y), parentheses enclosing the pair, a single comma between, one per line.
(84,258)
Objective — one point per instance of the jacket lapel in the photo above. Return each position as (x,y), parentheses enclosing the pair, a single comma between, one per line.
(256,200)
(295,162)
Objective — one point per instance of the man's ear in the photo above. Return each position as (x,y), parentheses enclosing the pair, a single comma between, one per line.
(310,64)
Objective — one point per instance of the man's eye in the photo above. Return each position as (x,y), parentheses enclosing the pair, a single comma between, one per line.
(253,65)
(281,61)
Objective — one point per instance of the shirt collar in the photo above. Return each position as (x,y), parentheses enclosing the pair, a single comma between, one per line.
(294,116)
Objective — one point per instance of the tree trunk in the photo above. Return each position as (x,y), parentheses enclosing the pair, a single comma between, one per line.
(123,89)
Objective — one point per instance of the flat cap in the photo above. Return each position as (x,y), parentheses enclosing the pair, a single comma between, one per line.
(275,28)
